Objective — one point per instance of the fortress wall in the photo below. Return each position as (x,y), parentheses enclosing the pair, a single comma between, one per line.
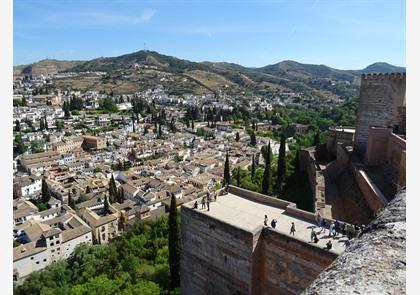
(216,257)
(373,196)
(254,196)
(377,146)
(289,265)
(395,150)
(316,181)
(381,95)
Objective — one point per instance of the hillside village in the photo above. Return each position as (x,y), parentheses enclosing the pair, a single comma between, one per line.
(90,164)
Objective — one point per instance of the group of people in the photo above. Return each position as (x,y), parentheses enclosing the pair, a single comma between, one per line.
(274,222)
(337,227)
(205,201)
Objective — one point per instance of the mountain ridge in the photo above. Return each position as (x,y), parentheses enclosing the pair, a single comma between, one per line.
(141,69)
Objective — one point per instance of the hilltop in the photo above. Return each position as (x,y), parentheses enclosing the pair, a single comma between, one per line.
(144,69)
(46,66)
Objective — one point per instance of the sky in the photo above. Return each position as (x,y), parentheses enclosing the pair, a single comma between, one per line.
(344,34)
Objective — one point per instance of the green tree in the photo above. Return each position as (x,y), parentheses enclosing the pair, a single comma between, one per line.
(266,182)
(106,205)
(71,201)
(281,165)
(20,146)
(226,174)
(17,127)
(173,244)
(120,195)
(238,177)
(253,167)
(316,138)
(45,190)
(253,139)
(37,146)
(112,189)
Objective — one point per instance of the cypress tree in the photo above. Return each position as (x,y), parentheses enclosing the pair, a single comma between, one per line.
(226,175)
(237,136)
(71,201)
(238,177)
(253,167)
(266,182)
(120,195)
(113,194)
(106,205)
(17,122)
(173,244)
(253,139)
(46,195)
(297,166)
(281,164)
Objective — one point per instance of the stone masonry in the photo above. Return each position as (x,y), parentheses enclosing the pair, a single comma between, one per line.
(228,250)
(380,102)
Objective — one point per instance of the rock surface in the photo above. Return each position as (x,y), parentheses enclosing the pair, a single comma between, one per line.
(373,264)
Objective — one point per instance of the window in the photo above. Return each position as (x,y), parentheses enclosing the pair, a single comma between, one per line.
(52,244)
(51,238)
(57,242)
(45,259)
(37,262)
(52,251)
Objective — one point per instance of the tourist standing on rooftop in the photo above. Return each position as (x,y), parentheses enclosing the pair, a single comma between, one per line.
(273,223)
(203,203)
(292,229)
(266,220)
(313,233)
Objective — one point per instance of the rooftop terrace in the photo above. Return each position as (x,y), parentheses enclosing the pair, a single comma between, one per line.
(245,210)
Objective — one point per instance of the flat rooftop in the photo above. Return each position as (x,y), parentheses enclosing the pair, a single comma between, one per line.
(249,215)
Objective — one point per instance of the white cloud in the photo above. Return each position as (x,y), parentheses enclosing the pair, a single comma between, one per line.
(100,18)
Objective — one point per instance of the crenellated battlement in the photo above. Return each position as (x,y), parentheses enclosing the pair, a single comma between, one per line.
(384,76)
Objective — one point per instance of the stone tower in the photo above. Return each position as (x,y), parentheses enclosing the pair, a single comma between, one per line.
(381,101)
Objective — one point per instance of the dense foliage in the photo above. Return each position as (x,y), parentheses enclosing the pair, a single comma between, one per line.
(136,263)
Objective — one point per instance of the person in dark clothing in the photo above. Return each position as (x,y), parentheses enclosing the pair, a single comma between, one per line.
(329,245)
(265,220)
(316,240)
(208,204)
(337,227)
(273,223)
(195,205)
(203,203)
(292,229)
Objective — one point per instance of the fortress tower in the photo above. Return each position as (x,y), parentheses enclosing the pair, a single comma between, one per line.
(381,104)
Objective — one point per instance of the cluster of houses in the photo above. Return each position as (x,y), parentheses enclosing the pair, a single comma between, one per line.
(78,167)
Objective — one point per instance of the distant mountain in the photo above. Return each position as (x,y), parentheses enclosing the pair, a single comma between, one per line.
(145,69)
(382,67)
(46,66)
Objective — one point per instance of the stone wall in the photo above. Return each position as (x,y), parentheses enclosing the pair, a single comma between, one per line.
(371,193)
(376,150)
(336,136)
(381,96)
(288,265)
(316,178)
(216,257)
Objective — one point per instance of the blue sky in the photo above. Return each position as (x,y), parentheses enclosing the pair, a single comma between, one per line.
(343,34)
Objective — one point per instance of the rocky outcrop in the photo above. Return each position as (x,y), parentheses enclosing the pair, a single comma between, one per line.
(373,264)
